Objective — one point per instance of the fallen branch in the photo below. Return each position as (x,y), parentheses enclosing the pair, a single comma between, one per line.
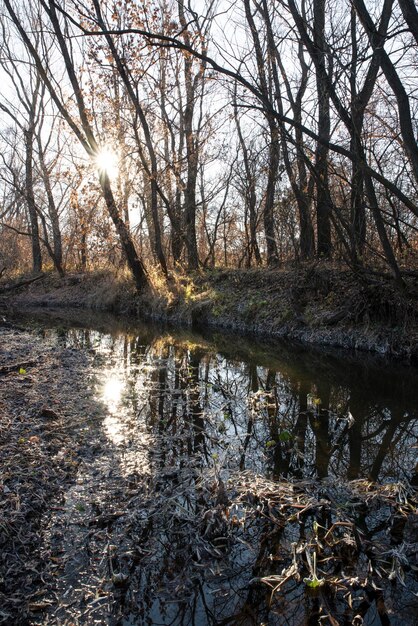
(23,283)
(6,369)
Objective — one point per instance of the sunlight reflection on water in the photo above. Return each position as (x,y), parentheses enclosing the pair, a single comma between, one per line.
(112,395)
(112,392)
(121,426)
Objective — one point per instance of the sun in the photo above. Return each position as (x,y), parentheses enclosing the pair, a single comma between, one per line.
(106,161)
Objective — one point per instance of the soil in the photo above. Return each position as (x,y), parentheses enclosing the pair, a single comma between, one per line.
(39,455)
(313,303)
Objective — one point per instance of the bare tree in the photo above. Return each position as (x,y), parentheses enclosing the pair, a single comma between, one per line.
(249,191)
(28,96)
(82,130)
(274,140)
(302,186)
(377,40)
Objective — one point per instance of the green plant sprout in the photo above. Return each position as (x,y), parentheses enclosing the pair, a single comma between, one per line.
(313,582)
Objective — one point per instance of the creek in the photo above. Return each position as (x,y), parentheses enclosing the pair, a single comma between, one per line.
(202,442)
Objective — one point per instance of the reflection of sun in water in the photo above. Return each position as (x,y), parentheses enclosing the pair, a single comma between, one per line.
(107,161)
(112,392)
(121,424)
(112,395)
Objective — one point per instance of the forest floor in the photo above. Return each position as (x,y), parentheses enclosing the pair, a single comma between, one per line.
(61,487)
(39,425)
(313,303)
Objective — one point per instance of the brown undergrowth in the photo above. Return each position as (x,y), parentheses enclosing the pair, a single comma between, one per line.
(312,303)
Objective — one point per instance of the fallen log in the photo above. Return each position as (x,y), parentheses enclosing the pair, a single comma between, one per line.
(22,283)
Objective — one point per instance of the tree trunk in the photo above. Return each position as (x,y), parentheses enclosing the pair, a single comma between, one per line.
(53,214)
(191,151)
(134,262)
(357,207)
(274,147)
(298,183)
(83,249)
(268,210)
(405,118)
(307,237)
(173,195)
(250,194)
(380,226)
(30,199)
(323,207)
(410,14)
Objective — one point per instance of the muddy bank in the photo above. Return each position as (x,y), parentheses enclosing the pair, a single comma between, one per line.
(42,392)
(312,304)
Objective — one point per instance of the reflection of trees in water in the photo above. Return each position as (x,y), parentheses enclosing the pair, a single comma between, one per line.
(206,410)
(201,403)
(199,409)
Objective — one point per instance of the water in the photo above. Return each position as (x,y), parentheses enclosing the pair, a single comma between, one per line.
(191,421)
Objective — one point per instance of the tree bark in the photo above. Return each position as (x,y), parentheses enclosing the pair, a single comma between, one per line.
(405,118)
(410,14)
(135,264)
(380,226)
(268,212)
(274,146)
(250,193)
(30,198)
(53,213)
(323,206)
(298,183)
(191,150)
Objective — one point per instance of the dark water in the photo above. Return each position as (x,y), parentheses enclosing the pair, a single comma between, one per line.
(181,404)
(280,408)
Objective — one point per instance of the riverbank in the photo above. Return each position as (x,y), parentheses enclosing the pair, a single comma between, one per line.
(42,394)
(315,304)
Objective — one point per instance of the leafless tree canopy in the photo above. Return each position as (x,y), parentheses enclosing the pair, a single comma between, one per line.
(208,133)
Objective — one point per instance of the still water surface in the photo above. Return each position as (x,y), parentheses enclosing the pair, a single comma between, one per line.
(180,404)
(281,408)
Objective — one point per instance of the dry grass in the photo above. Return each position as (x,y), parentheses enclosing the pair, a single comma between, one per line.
(314,303)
